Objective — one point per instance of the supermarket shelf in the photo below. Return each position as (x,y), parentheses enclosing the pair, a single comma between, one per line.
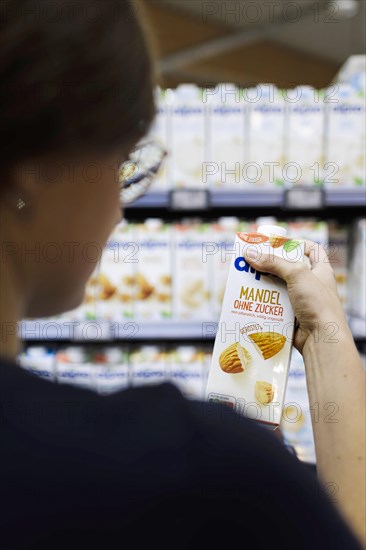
(133,331)
(129,331)
(345,197)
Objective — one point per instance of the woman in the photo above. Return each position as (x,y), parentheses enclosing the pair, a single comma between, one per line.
(144,467)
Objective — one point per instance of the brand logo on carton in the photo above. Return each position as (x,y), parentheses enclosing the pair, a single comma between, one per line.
(223,110)
(188,111)
(348,108)
(267,109)
(242,265)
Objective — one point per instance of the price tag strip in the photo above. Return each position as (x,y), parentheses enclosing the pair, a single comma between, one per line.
(304,198)
(189,199)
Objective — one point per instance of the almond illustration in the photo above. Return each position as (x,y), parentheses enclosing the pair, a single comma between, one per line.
(234,359)
(268,344)
(263,392)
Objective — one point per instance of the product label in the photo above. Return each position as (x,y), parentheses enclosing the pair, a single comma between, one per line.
(253,344)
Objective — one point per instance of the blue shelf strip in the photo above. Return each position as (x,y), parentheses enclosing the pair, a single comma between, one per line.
(344,197)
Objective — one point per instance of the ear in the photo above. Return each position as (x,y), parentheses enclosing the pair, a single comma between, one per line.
(26,180)
(24,183)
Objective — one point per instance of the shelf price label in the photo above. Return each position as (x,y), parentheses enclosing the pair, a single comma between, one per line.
(304,198)
(189,199)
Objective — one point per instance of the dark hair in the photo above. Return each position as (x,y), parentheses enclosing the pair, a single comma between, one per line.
(74,75)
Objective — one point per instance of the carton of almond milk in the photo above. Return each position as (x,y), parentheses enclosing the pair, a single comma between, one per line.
(253,344)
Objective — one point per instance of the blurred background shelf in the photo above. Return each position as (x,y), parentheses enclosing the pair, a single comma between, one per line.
(90,332)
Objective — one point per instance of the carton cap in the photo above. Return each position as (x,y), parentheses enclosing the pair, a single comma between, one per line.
(272,230)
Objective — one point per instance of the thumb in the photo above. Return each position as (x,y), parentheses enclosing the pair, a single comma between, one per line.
(275,265)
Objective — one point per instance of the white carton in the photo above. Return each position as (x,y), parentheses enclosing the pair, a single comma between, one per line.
(39,361)
(357,272)
(304,149)
(111,370)
(253,344)
(188,136)
(160,133)
(73,367)
(186,371)
(223,233)
(87,310)
(148,366)
(191,272)
(265,160)
(345,138)
(153,276)
(115,283)
(296,424)
(226,137)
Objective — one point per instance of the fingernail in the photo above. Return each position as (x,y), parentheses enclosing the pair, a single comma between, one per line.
(251,254)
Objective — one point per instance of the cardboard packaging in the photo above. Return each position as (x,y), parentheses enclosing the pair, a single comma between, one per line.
(226,137)
(253,344)
(153,275)
(188,137)
(345,137)
(265,161)
(304,141)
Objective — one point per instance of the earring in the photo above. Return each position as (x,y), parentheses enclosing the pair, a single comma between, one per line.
(21,204)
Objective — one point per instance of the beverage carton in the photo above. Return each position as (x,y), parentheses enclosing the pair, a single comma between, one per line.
(148,365)
(39,361)
(304,143)
(87,310)
(73,367)
(191,272)
(345,137)
(153,276)
(253,344)
(357,273)
(223,233)
(265,159)
(226,137)
(111,370)
(114,284)
(296,424)
(186,371)
(188,136)
(160,132)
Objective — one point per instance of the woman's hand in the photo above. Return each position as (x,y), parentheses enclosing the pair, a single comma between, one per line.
(312,290)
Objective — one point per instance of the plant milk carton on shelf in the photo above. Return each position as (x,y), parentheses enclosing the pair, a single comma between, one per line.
(226,137)
(191,271)
(114,284)
(296,424)
(73,367)
(222,233)
(304,143)
(188,124)
(153,276)
(265,159)
(253,344)
(39,361)
(111,369)
(148,365)
(338,257)
(186,371)
(87,310)
(357,271)
(345,137)
(160,133)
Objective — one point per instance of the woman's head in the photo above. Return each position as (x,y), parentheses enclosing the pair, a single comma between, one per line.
(76,94)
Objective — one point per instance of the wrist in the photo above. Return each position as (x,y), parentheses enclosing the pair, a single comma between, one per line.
(328,335)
